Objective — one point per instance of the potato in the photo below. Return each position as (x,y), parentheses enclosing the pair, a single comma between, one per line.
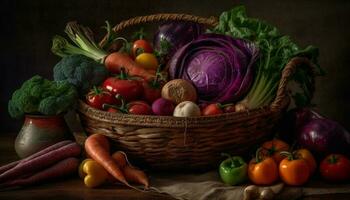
(179,90)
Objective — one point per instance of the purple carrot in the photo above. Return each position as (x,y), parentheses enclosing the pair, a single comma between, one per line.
(39,153)
(42,161)
(8,166)
(47,149)
(62,168)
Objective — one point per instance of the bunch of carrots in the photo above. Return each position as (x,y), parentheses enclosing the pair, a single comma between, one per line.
(56,161)
(61,160)
(97,147)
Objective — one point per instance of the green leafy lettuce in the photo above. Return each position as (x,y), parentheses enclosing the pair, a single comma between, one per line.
(276,51)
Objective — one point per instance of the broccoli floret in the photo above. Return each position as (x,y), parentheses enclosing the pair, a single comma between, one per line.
(41,96)
(81,71)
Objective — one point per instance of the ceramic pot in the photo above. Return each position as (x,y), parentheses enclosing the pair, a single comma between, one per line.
(38,132)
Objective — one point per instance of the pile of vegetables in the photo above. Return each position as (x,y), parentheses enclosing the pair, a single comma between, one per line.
(276,161)
(320,147)
(95,171)
(232,67)
(187,72)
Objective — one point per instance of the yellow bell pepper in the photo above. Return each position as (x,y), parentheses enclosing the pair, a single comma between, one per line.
(93,173)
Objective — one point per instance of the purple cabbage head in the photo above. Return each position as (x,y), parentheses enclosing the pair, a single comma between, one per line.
(219,66)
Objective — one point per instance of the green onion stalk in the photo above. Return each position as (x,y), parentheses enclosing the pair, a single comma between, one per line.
(84,43)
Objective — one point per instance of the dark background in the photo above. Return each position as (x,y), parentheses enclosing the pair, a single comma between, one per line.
(27,28)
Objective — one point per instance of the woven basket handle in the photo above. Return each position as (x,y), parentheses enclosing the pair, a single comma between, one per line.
(211,21)
(287,72)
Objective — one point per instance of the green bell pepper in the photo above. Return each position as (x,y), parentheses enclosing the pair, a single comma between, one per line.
(233,170)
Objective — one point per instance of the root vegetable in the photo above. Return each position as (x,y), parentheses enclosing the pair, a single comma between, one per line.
(179,90)
(265,193)
(115,61)
(187,109)
(39,153)
(42,161)
(131,173)
(8,166)
(163,107)
(97,147)
(62,168)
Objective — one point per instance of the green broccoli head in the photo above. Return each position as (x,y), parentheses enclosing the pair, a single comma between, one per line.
(81,71)
(62,98)
(41,96)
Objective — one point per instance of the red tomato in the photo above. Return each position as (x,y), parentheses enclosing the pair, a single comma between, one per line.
(99,96)
(151,90)
(139,108)
(112,110)
(212,109)
(128,89)
(335,168)
(141,46)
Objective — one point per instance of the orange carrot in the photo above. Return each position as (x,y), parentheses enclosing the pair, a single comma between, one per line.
(97,147)
(120,158)
(116,60)
(131,173)
(136,176)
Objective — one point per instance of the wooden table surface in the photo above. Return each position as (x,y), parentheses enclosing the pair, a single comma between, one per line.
(73,187)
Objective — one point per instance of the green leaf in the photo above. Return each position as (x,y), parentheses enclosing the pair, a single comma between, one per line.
(276,50)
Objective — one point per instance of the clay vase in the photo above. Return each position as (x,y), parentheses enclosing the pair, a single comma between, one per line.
(38,132)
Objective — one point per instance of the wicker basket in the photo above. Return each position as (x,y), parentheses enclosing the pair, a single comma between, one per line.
(179,143)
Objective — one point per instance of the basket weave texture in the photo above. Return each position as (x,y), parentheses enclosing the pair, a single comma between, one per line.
(188,143)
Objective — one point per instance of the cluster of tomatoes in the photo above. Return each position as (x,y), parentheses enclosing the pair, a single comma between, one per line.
(294,168)
(126,94)
(275,162)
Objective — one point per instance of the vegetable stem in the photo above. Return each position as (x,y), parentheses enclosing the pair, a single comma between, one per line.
(155,82)
(85,44)
(234,162)
(289,155)
(123,75)
(257,155)
(333,159)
